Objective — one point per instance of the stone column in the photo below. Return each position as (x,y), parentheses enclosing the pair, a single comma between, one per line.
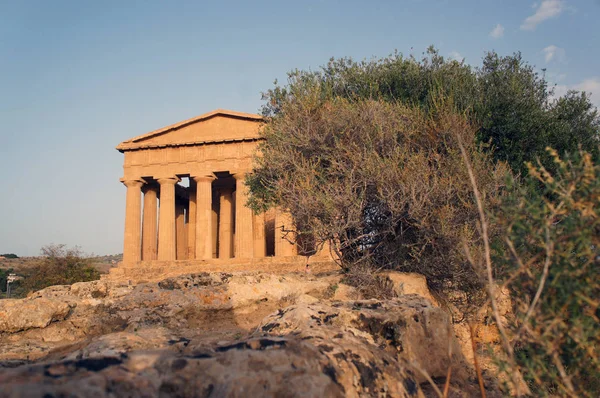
(204,227)
(243,219)
(149,224)
(225,224)
(191,222)
(215,224)
(132,250)
(180,230)
(166,222)
(283,236)
(260,241)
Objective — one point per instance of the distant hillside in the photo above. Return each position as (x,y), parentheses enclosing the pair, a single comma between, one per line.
(109,258)
(21,265)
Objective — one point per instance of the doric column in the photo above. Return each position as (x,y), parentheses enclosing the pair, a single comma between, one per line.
(283,236)
(260,241)
(191,222)
(166,222)
(204,221)
(132,251)
(243,219)
(180,237)
(149,224)
(215,224)
(225,224)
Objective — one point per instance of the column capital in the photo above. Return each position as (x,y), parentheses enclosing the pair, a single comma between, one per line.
(132,183)
(168,180)
(240,175)
(204,178)
(149,186)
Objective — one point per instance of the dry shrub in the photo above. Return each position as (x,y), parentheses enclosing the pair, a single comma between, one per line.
(369,282)
(60,266)
(551,262)
(384,183)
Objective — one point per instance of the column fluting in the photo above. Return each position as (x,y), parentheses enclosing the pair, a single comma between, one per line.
(132,250)
(204,219)
(243,219)
(166,222)
(225,223)
(149,223)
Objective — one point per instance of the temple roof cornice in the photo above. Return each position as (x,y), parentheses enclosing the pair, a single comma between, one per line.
(153,139)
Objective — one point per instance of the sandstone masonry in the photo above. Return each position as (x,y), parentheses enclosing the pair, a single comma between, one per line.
(207,222)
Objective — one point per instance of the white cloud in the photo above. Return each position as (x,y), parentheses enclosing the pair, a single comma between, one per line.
(555,76)
(545,10)
(554,53)
(497,32)
(560,90)
(456,56)
(591,86)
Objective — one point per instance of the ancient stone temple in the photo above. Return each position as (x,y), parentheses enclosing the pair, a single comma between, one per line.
(186,201)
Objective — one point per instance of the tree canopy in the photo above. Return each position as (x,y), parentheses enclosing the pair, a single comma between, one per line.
(513,106)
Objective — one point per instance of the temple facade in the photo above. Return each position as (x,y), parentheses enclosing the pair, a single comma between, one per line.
(186,196)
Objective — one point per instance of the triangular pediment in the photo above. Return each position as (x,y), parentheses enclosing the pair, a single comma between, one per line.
(216,126)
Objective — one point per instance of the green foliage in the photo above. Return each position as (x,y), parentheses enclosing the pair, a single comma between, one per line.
(553,272)
(3,275)
(9,255)
(383,182)
(16,288)
(519,117)
(60,266)
(511,104)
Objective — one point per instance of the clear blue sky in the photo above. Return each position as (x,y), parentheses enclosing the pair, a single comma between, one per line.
(78,77)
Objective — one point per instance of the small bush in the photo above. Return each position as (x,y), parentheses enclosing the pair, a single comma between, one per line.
(369,282)
(551,260)
(3,276)
(60,266)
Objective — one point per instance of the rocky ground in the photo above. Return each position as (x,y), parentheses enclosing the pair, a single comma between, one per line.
(234,335)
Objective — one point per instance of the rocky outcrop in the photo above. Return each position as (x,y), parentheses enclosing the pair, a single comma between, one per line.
(18,315)
(408,328)
(260,367)
(360,348)
(57,316)
(222,334)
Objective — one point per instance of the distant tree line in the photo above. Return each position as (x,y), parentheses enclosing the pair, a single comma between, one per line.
(9,255)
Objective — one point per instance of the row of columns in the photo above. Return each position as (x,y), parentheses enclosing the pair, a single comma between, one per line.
(195,237)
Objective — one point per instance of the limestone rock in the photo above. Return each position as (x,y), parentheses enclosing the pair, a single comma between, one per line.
(344,292)
(291,366)
(23,314)
(196,303)
(112,338)
(408,327)
(115,345)
(93,290)
(410,283)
